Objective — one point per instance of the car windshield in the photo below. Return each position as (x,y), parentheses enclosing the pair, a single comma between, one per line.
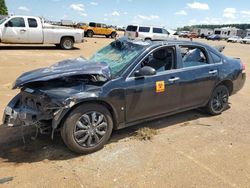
(119,54)
(3,20)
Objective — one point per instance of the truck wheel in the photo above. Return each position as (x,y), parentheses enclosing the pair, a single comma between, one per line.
(148,39)
(87,128)
(218,101)
(67,43)
(90,33)
(113,35)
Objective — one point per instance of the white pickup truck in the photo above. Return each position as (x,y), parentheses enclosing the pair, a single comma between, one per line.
(33,30)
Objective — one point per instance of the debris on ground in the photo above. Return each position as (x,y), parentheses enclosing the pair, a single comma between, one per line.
(6,180)
(145,133)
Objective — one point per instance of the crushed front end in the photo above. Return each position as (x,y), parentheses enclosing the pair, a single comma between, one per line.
(32,107)
(46,95)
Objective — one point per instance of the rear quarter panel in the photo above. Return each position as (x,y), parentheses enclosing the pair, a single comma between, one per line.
(231,69)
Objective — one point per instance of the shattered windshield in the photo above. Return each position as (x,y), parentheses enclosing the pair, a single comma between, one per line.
(3,20)
(119,54)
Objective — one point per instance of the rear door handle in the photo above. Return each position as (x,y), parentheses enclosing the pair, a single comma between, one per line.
(173,79)
(212,71)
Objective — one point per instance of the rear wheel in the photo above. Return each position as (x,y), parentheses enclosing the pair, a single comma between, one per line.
(218,101)
(148,39)
(87,128)
(90,33)
(67,43)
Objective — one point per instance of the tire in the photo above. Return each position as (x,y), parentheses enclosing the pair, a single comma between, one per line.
(148,39)
(82,137)
(90,33)
(113,35)
(67,43)
(218,101)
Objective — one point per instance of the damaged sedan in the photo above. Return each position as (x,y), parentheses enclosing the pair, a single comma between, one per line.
(123,84)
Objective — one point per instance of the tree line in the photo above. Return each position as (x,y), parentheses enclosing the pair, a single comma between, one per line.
(193,27)
(3,8)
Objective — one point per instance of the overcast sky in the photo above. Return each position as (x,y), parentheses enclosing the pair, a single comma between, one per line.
(171,14)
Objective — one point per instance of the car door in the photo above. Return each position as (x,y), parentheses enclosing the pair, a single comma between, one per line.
(199,76)
(15,31)
(155,95)
(35,33)
(157,33)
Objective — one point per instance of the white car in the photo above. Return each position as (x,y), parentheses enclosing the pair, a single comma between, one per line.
(146,32)
(245,40)
(32,30)
(234,39)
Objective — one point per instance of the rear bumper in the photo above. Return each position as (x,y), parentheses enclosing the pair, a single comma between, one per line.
(239,83)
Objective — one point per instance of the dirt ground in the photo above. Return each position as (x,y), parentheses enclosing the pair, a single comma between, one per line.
(191,149)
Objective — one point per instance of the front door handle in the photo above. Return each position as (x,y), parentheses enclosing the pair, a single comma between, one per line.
(173,79)
(212,71)
(23,30)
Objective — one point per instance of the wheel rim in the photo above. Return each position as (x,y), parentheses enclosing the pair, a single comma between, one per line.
(90,34)
(90,129)
(220,100)
(67,44)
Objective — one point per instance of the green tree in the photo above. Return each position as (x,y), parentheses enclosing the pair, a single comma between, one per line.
(3,8)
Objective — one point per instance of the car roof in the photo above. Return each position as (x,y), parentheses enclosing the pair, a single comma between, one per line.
(159,43)
(145,26)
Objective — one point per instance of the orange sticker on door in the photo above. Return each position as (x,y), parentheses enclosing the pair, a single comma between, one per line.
(160,86)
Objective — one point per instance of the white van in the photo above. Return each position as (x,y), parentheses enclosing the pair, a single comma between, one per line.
(146,32)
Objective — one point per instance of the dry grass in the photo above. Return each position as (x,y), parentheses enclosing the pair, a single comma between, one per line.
(145,133)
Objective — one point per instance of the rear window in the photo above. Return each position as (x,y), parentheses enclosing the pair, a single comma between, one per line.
(32,22)
(131,28)
(157,30)
(91,24)
(216,58)
(144,29)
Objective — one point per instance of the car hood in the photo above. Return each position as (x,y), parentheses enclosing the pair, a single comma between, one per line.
(66,68)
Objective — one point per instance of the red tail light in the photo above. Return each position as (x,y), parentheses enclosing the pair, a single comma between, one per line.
(136,34)
(243,66)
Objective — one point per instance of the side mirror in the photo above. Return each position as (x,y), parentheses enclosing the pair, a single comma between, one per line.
(6,25)
(145,71)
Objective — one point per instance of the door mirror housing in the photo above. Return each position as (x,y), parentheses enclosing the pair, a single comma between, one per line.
(145,71)
(6,25)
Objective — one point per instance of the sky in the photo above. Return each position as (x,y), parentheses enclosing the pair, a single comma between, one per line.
(170,14)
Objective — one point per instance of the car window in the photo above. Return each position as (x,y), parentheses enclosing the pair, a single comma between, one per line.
(32,22)
(98,25)
(164,31)
(193,56)
(161,60)
(131,28)
(91,24)
(215,57)
(157,30)
(16,22)
(144,29)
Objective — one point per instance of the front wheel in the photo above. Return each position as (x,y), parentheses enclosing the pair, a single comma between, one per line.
(87,128)
(218,101)
(67,43)
(90,33)
(113,35)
